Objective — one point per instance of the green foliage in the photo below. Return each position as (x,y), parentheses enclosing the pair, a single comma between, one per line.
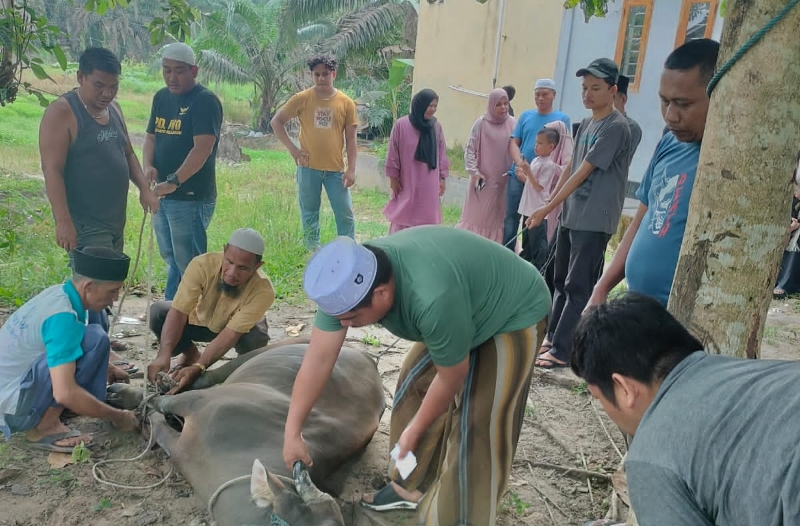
(580,389)
(81,453)
(176,22)
(517,505)
(590,8)
(104,504)
(371,339)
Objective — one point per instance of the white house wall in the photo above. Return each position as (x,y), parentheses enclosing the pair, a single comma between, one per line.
(582,42)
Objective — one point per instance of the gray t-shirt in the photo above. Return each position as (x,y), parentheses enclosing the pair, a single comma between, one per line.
(719,445)
(636,135)
(596,205)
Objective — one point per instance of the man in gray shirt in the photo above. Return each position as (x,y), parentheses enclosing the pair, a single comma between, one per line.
(715,438)
(592,188)
(620,100)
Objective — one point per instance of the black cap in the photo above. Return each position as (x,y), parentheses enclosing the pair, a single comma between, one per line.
(622,84)
(100,263)
(602,68)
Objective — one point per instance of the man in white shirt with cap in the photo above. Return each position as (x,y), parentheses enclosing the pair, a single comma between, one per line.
(476,311)
(222,299)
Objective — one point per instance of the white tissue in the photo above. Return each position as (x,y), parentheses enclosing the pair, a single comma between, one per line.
(406,465)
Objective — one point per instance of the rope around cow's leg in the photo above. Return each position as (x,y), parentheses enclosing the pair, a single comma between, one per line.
(216,494)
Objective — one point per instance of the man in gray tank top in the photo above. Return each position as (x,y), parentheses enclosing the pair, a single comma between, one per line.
(87,158)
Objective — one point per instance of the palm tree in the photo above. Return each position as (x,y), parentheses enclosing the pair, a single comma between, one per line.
(241,43)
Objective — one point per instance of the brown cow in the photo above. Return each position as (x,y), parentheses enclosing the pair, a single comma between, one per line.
(229,426)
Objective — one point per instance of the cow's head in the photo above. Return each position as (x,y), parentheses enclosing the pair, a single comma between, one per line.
(297,502)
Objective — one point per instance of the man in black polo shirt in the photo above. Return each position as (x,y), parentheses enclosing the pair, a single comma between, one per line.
(180,154)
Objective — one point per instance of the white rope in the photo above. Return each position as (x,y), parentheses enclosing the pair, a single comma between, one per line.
(216,494)
(146,397)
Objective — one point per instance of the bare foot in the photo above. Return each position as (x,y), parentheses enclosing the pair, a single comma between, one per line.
(410,496)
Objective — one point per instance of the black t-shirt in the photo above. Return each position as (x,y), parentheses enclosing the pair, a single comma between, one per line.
(175,120)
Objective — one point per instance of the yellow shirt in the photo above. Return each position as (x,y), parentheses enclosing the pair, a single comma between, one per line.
(322,125)
(199,297)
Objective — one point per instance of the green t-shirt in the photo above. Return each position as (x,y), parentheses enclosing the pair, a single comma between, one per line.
(454,290)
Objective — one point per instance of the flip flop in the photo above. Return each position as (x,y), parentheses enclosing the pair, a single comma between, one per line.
(387,499)
(547,346)
(47,443)
(122,363)
(551,364)
(778,294)
(119,346)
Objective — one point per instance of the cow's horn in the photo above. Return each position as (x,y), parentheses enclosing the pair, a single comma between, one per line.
(305,487)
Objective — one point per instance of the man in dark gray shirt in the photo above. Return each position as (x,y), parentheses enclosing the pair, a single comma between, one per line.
(592,188)
(715,438)
(620,100)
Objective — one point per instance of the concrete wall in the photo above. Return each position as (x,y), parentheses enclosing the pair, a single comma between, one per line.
(581,43)
(456,44)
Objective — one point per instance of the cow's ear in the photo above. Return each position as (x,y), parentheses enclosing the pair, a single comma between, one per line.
(260,487)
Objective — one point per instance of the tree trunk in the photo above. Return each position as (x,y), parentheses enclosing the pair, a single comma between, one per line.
(265,112)
(739,212)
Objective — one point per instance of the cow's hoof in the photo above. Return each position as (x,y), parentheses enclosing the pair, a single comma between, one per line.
(123,396)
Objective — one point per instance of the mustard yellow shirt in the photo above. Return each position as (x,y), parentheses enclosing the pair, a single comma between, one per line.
(322,125)
(199,297)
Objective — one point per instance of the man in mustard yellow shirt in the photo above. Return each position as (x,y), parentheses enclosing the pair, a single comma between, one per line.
(328,124)
(222,299)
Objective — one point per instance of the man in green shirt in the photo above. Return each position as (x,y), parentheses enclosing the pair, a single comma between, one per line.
(477,314)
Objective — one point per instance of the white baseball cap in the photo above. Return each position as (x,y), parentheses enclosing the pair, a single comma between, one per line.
(340,275)
(180,52)
(545,83)
(248,240)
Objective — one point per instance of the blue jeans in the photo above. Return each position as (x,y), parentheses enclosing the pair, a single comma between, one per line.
(511,224)
(309,191)
(180,228)
(36,389)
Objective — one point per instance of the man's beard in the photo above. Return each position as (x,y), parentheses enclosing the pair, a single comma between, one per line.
(229,290)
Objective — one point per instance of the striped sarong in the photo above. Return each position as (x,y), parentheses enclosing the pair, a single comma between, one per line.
(464,458)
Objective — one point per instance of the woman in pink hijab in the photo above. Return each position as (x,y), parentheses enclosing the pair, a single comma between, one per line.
(561,156)
(486,159)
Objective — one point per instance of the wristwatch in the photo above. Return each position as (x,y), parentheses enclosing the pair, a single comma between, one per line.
(173,179)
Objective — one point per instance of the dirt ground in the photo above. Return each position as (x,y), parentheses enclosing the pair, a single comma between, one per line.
(563,427)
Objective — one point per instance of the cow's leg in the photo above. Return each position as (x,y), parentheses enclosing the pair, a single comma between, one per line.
(220,374)
(182,404)
(164,435)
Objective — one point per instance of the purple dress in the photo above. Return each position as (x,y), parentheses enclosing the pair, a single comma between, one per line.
(418,202)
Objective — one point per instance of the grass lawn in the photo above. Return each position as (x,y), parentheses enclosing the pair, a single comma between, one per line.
(260,194)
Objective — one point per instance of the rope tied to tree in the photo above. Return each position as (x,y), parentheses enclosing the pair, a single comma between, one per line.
(752,41)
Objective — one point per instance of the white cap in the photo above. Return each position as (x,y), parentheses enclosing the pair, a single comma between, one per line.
(545,83)
(247,239)
(180,52)
(340,275)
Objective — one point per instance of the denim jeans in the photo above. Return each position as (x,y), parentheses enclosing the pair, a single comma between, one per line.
(180,228)
(309,190)
(511,224)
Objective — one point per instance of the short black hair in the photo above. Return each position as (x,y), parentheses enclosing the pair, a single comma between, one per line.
(510,91)
(383,274)
(552,135)
(328,61)
(633,335)
(99,58)
(701,53)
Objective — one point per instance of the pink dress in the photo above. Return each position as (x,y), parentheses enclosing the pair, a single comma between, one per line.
(418,202)
(487,153)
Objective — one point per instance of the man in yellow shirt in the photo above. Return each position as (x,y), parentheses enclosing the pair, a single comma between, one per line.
(328,123)
(222,299)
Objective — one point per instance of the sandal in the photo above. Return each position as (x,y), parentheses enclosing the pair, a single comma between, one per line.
(546,347)
(387,499)
(126,366)
(778,294)
(550,364)
(47,443)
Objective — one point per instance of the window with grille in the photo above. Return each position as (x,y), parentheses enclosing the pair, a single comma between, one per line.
(696,21)
(632,40)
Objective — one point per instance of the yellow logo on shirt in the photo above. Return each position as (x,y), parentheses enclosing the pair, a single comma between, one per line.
(183,111)
(171,128)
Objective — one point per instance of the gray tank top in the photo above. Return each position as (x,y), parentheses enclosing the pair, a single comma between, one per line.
(96,173)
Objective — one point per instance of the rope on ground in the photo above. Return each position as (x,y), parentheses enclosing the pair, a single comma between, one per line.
(100,477)
(752,41)
(129,285)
